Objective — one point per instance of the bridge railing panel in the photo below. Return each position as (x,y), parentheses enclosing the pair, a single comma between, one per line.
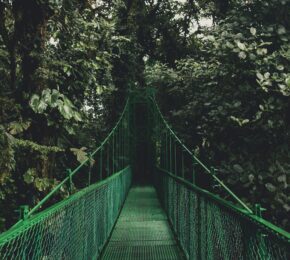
(77,216)
(207,225)
(76,228)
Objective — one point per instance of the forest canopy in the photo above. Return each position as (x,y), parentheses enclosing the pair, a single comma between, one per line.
(221,69)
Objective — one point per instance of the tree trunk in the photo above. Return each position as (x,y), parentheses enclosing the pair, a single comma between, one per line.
(31,19)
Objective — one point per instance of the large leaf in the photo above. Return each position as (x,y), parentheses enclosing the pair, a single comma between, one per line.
(81,154)
(34,102)
(18,127)
(29,176)
(253,31)
(242,46)
(54,98)
(77,116)
(41,106)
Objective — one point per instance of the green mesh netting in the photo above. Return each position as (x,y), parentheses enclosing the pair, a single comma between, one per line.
(76,228)
(207,229)
(207,226)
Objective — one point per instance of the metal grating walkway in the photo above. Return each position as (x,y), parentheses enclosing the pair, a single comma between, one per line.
(142,231)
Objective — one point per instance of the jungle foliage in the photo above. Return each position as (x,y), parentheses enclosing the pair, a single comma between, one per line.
(221,68)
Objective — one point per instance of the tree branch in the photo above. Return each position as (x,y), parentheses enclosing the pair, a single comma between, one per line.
(3,29)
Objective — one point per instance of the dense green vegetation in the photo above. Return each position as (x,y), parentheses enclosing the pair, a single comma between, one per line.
(221,68)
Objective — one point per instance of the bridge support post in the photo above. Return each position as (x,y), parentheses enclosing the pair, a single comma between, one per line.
(101,163)
(90,170)
(69,174)
(182,164)
(260,236)
(23,212)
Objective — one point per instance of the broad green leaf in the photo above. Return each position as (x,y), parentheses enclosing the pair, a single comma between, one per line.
(280,67)
(253,31)
(67,109)
(287,81)
(77,116)
(68,102)
(230,45)
(270,187)
(81,154)
(18,127)
(34,102)
(46,95)
(99,90)
(282,178)
(262,51)
(41,106)
(252,56)
(59,103)
(242,46)
(70,129)
(282,86)
(242,55)
(54,98)
(281,30)
(260,76)
(267,75)
(39,184)
(265,44)
(29,176)
(63,113)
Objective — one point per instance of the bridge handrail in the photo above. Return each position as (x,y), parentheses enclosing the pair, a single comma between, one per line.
(10,234)
(226,188)
(264,224)
(76,170)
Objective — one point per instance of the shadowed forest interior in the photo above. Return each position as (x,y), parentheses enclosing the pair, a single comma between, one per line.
(220,70)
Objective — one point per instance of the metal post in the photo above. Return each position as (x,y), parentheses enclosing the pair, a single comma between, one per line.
(258,210)
(113,152)
(122,146)
(23,212)
(120,149)
(261,237)
(119,153)
(213,172)
(69,174)
(182,163)
(108,159)
(194,172)
(170,154)
(166,152)
(90,170)
(101,163)
(175,162)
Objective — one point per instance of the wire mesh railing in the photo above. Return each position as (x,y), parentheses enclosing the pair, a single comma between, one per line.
(207,226)
(111,156)
(78,226)
(75,228)
(173,156)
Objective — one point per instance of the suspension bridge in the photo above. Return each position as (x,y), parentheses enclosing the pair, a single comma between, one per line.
(145,196)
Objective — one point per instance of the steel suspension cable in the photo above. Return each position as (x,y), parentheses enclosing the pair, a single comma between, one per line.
(199,162)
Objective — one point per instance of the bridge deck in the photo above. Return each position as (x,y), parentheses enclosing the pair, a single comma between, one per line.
(142,230)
